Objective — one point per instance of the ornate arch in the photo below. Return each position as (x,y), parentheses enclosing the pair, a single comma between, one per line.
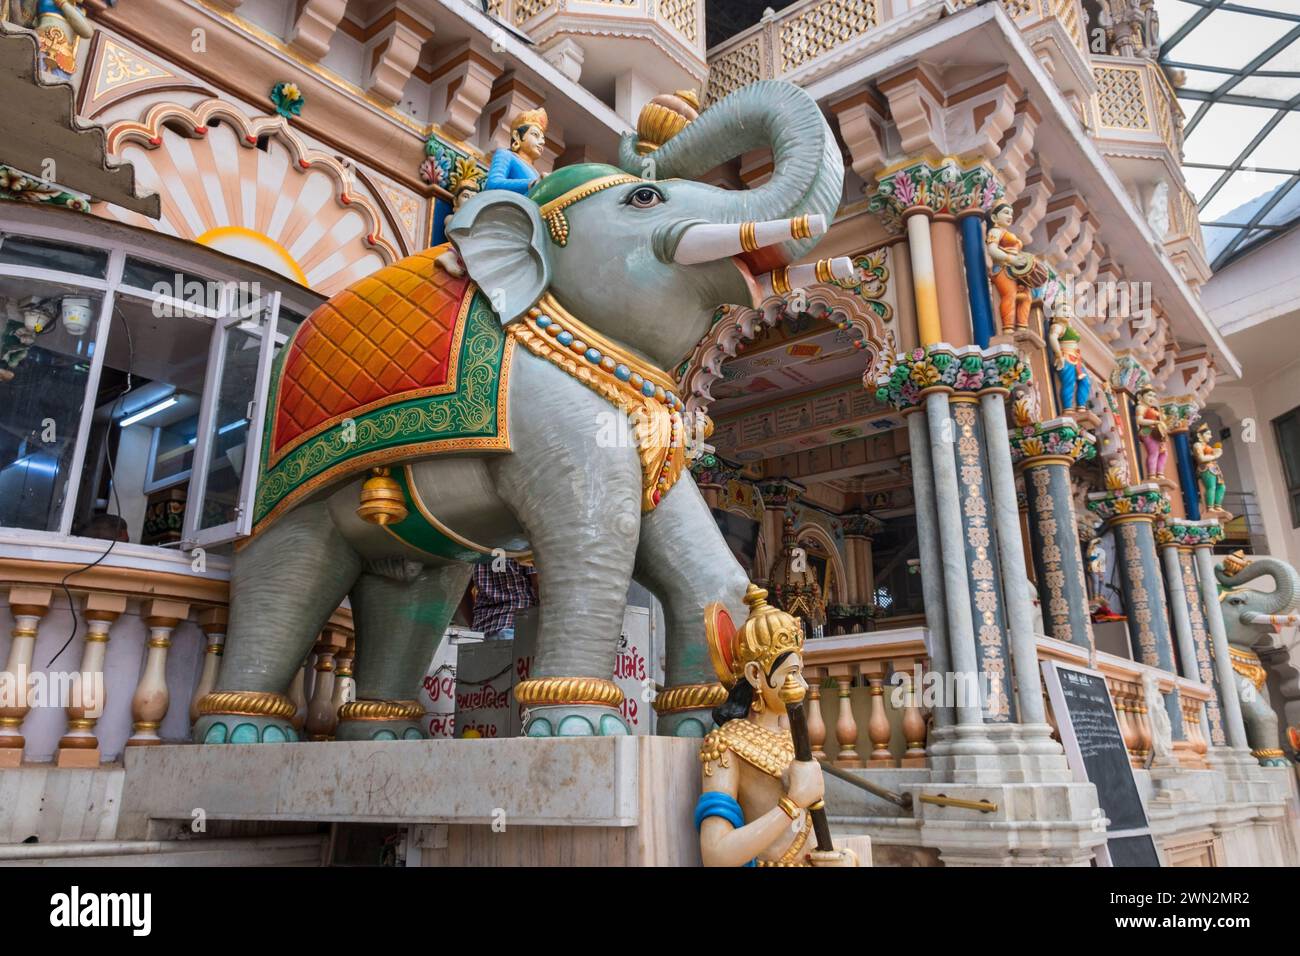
(809,531)
(296,212)
(857,306)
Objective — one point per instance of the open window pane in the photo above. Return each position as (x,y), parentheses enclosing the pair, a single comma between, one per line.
(47,341)
(141,451)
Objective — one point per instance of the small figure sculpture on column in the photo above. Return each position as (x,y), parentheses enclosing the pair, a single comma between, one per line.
(513,168)
(1067,359)
(467,181)
(1014,272)
(1152,432)
(58,24)
(1207,452)
(1095,556)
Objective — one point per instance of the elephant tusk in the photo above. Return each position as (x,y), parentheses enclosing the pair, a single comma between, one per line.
(782,281)
(1277,620)
(709,242)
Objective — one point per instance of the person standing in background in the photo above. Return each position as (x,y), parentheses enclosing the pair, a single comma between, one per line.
(498,594)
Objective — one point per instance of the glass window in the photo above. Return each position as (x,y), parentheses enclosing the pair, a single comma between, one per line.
(166,281)
(1287,428)
(145,425)
(44,254)
(47,343)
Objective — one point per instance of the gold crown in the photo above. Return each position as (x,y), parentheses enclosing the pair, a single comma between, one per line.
(535,117)
(768,632)
(1234,563)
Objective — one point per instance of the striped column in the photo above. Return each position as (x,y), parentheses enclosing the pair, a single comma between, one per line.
(988,606)
(1046,452)
(1131,513)
(921,254)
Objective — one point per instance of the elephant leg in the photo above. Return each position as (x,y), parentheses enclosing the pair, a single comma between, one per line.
(578,500)
(1261,723)
(284,586)
(685,561)
(400,610)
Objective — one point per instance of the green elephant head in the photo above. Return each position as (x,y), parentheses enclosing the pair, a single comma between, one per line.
(637,252)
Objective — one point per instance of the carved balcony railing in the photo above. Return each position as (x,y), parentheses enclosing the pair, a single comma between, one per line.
(1136,105)
(798,35)
(149,629)
(894,665)
(674,25)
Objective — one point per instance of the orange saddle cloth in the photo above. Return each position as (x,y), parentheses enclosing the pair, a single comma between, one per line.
(406,362)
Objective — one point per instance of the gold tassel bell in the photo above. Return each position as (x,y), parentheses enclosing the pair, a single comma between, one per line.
(382,501)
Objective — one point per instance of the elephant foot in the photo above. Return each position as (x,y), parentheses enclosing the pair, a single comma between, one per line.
(243,729)
(574,720)
(571,707)
(245,717)
(1270,758)
(686,710)
(381,720)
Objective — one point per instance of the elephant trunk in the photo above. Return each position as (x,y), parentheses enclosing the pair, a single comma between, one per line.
(808,170)
(1285,579)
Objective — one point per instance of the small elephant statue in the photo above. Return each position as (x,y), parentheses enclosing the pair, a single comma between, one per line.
(1251,616)
(421,421)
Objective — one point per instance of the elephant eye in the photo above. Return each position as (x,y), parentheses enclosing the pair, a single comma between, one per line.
(645,197)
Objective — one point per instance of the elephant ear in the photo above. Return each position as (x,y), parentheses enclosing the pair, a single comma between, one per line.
(501,238)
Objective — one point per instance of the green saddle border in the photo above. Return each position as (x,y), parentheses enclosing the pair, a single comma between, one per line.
(472,417)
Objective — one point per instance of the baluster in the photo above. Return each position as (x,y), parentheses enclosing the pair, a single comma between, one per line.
(79,746)
(212,621)
(297,694)
(816,723)
(1051,717)
(151,699)
(322,716)
(28,606)
(1145,735)
(913,720)
(846,726)
(878,728)
(1124,715)
(345,687)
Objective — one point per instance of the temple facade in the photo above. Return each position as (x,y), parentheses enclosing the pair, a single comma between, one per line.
(989,446)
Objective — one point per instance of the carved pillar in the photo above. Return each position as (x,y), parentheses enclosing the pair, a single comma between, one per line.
(212,622)
(858,529)
(1045,453)
(931,557)
(28,606)
(988,601)
(778,494)
(1200,666)
(977,276)
(79,747)
(1180,413)
(954,307)
(1204,553)
(345,687)
(151,700)
(1132,512)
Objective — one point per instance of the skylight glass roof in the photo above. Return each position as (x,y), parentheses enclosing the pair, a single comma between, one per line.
(1241,98)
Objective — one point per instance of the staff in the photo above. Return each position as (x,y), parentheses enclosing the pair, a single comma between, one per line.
(792,693)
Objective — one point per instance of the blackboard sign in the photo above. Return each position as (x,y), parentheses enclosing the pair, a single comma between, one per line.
(1094,747)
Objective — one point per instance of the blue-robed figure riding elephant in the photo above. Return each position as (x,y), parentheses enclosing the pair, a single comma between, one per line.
(421,421)
(1253,617)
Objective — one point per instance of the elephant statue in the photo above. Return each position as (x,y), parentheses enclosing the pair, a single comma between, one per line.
(429,417)
(1251,616)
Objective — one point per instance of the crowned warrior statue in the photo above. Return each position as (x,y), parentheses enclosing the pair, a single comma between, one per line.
(1152,431)
(58,24)
(1207,452)
(513,168)
(1014,272)
(759,803)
